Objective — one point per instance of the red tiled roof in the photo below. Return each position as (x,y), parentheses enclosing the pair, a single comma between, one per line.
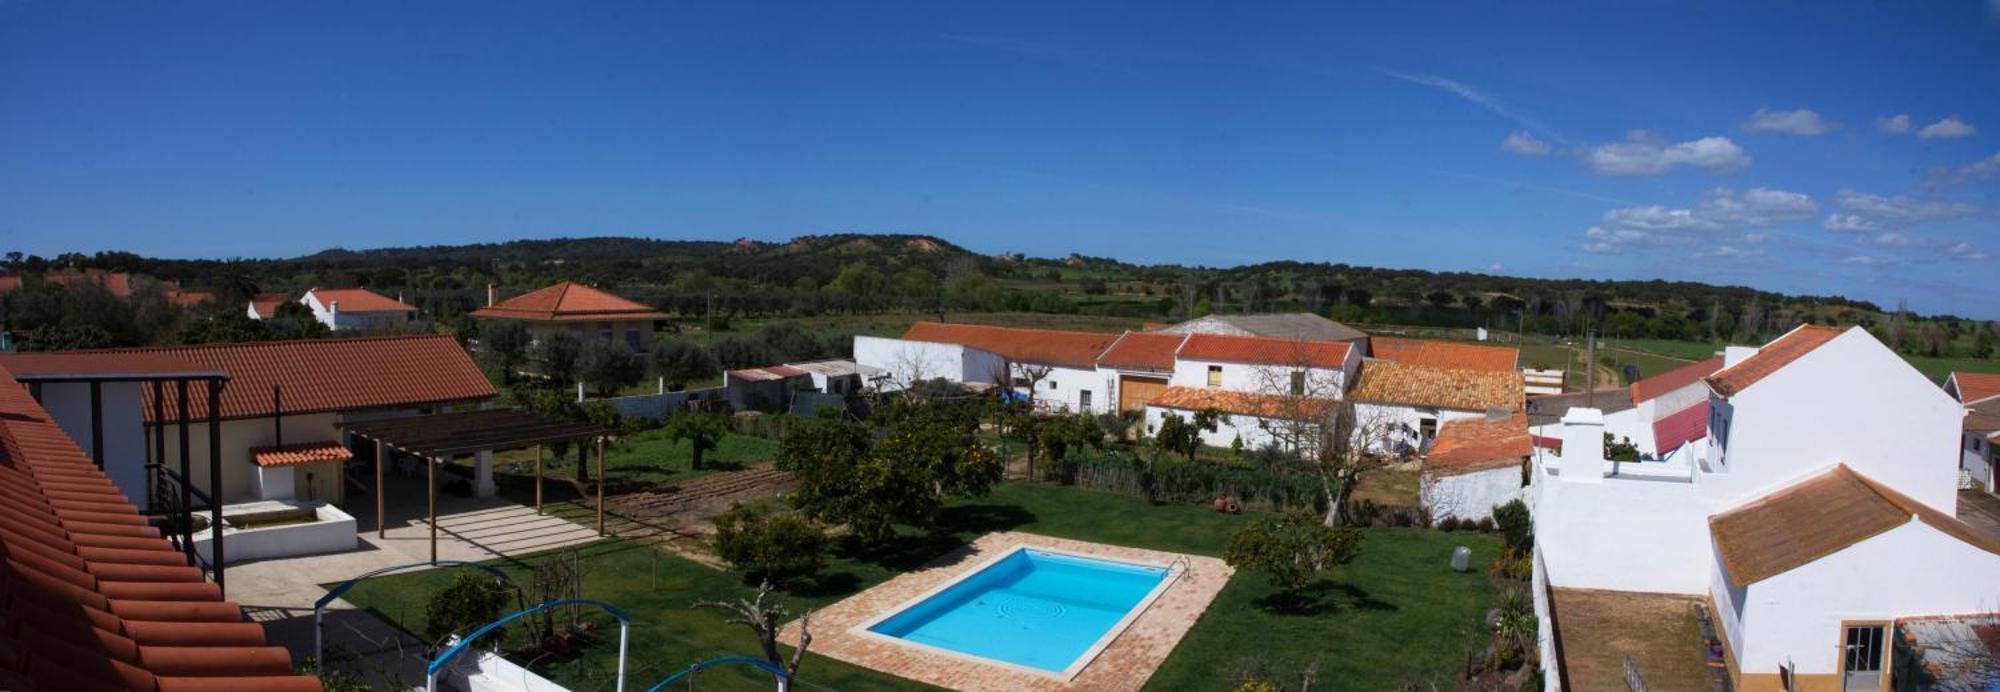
(1771,358)
(1242,403)
(1390,382)
(1674,379)
(188,299)
(55,365)
(1681,427)
(1042,346)
(303,453)
(568,301)
(1142,351)
(9,284)
(1444,354)
(1817,517)
(318,375)
(266,304)
(359,300)
(1974,387)
(96,599)
(1469,445)
(1258,350)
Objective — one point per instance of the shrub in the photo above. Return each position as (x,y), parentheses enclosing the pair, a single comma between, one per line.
(1449,524)
(767,543)
(1484,525)
(1293,548)
(1517,526)
(470,602)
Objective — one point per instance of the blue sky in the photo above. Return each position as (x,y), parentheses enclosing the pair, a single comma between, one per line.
(1849,148)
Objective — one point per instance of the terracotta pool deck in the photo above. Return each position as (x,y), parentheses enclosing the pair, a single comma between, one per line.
(1125,664)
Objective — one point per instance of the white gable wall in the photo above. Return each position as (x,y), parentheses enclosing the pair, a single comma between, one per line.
(1849,401)
(1910,570)
(1470,496)
(1062,388)
(905,360)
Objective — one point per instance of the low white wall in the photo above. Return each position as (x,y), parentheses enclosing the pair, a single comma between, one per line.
(332,533)
(1624,534)
(486,671)
(1470,496)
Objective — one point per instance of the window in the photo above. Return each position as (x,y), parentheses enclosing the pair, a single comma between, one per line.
(632,339)
(1083,401)
(1215,376)
(1052,384)
(1298,383)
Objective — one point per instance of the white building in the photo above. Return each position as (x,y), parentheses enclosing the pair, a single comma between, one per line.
(1664,416)
(1398,408)
(1476,465)
(1821,514)
(355,309)
(1979,392)
(1269,387)
(1055,370)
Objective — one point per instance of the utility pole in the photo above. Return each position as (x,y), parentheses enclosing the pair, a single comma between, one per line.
(1590,368)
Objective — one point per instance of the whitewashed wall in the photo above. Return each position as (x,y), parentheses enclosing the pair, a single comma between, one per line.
(1254,431)
(1624,535)
(1244,377)
(1062,388)
(1390,428)
(1470,496)
(1849,401)
(1977,462)
(123,421)
(904,360)
(1907,571)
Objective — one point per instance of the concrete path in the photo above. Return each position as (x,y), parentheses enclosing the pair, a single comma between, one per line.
(280,593)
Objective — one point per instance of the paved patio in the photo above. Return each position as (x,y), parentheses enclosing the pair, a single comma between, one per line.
(1125,664)
(280,593)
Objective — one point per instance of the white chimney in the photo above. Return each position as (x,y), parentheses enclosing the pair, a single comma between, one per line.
(1583,446)
(492,294)
(334,309)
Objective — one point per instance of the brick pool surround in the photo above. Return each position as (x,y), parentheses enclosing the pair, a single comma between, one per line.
(1124,658)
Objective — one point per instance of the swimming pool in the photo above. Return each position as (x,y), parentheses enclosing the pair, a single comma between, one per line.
(1040,609)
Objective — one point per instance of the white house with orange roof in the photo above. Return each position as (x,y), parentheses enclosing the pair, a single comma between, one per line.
(590,313)
(1053,369)
(1979,393)
(1269,387)
(1821,515)
(355,309)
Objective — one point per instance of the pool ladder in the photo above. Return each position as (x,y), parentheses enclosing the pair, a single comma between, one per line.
(1187,566)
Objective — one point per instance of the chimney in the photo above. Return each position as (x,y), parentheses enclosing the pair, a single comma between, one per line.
(334,308)
(492,294)
(1583,446)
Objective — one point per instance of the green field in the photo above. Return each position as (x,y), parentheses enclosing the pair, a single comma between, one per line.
(1397,611)
(650,458)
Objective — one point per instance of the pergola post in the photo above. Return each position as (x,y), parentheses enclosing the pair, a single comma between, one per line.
(381,504)
(432,465)
(187,490)
(538,478)
(600,485)
(215,481)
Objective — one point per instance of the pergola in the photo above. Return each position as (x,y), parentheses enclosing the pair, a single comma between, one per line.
(438,438)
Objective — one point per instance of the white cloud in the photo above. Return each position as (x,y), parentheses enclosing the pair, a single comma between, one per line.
(1900,208)
(1983,168)
(1718,210)
(1894,124)
(1965,252)
(1494,267)
(1524,143)
(1949,128)
(1730,252)
(1866,260)
(1892,240)
(1848,223)
(1601,248)
(1644,153)
(1799,122)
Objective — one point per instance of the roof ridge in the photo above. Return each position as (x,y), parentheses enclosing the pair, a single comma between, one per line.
(218,345)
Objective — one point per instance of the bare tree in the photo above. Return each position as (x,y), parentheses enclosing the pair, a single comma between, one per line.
(1306,411)
(908,368)
(766,620)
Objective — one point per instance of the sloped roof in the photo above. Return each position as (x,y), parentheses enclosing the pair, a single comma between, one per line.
(1544,409)
(303,453)
(266,304)
(1983,417)
(1817,517)
(98,600)
(569,301)
(1674,379)
(359,300)
(1142,351)
(1042,346)
(78,365)
(1771,358)
(318,375)
(1976,386)
(1444,354)
(1242,403)
(767,373)
(1476,444)
(1390,382)
(1276,325)
(1258,350)
(1680,427)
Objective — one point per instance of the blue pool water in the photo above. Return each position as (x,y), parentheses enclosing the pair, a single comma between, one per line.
(1033,608)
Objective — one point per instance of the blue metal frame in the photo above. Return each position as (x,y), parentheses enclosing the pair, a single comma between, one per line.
(319,606)
(624,630)
(753,662)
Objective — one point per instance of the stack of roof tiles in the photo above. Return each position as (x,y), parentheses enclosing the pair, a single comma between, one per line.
(91,597)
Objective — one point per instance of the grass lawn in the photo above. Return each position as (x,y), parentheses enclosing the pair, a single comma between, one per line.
(651,458)
(1395,612)
(1938,368)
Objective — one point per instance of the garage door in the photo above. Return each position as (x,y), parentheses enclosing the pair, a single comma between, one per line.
(1134,392)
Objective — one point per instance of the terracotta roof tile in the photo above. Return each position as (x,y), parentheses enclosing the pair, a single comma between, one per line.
(569,301)
(1260,350)
(1674,379)
(1041,346)
(1771,358)
(1476,444)
(83,617)
(317,375)
(266,304)
(302,453)
(62,364)
(1142,351)
(1680,427)
(1983,417)
(1976,386)
(1444,354)
(1241,403)
(1390,382)
(1817,517)
(359,300)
